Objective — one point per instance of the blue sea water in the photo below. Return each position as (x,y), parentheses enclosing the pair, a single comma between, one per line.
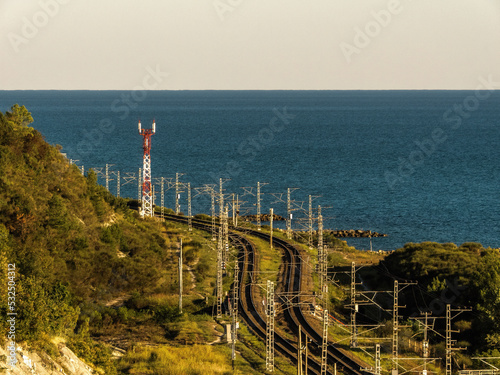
(417,165)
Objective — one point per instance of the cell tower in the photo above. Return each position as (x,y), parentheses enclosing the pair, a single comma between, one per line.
(147,193)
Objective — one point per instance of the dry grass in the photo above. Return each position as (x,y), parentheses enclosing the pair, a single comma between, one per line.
(166,360)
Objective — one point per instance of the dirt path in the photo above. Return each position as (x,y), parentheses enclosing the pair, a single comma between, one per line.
(118,301)
(191,273)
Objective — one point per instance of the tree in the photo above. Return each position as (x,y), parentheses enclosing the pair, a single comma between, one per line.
(57,213)
(19,115)
(487,283)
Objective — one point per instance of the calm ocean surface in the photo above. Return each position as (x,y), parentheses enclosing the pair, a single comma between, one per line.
(417,165)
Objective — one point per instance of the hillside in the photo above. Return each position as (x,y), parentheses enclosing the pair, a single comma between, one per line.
(462,276)
(89,273)
(93,279)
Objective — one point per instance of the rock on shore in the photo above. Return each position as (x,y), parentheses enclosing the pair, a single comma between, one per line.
(355,233)
(263,217)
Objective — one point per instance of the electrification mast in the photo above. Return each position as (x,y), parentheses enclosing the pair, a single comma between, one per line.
(324,346)
(270,312)
(147,192)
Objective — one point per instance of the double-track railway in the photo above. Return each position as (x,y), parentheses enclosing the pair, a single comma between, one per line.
(292,307)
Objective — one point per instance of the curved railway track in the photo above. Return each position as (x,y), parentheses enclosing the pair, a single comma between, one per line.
(293,285)
(293,311)
(248,265)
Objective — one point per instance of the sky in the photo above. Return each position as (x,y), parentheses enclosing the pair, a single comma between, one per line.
(248,44)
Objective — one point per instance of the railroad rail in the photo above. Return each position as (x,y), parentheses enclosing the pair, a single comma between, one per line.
(293,312)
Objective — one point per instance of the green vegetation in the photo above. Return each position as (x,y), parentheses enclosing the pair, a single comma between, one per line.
(77,248)
(462,276)
(91,273)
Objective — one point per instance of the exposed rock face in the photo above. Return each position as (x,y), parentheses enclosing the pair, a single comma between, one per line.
(263,217)
(31,362)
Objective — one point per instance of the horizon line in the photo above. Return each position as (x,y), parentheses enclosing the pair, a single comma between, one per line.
(2,90)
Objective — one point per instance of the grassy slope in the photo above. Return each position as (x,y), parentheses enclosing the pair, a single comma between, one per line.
(88,263)
(78,249)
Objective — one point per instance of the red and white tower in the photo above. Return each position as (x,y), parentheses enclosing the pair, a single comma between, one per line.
(147,191)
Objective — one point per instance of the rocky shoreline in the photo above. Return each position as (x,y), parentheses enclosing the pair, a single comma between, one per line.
(353,233)
(339,233)
(263,217)
(350,233)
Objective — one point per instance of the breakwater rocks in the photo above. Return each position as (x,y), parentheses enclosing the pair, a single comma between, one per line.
(355,233)
(348,233)
(263,217)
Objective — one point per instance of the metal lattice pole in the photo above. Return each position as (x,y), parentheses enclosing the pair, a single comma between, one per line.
(324,273)
(395,326)
(234,208)
(147,193)
(147,206)
(235,311)
(300,367)
(354,307)
(324,346)
(212,196)
(153,197)
(180,276)
(162,198)
(288,215)
(190,217)
(118,182)
(448,340)
(425,344)
(107,177)
(271,217)
(139,185)
(378,367)
(270,327)
(310,222)
(221,202)
(177,195)
(236,291)
(258,206)
(219,275)
(225,227)
(321,255)
(237,211)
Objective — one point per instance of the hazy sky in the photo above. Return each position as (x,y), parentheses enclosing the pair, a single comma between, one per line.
(248,44)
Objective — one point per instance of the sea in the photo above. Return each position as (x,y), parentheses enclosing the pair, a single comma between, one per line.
(415,165)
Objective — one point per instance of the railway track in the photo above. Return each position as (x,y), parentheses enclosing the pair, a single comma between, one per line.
(293,311)
(248,311)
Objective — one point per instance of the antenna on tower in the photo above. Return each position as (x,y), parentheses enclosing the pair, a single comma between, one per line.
(147,193)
